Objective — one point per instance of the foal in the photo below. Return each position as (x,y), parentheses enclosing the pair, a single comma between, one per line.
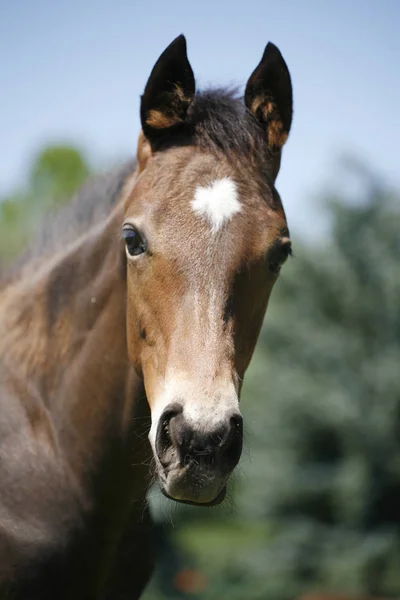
(139,315)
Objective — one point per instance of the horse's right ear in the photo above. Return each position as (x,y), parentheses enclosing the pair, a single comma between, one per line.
(269,96)
(168,93)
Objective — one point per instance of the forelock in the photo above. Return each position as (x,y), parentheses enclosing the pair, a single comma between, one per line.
(221,121)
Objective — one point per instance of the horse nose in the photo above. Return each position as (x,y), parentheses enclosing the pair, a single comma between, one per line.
(165,444)
(220,446)
(200,445)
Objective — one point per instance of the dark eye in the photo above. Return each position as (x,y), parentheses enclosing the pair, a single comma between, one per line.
(279,255)
(134,242)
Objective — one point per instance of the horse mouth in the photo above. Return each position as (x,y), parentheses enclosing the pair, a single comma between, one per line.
(192,486)
(217,500)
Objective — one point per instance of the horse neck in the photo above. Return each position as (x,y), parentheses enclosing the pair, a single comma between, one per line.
(66,335)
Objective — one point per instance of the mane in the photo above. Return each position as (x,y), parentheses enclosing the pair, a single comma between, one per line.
(90,205)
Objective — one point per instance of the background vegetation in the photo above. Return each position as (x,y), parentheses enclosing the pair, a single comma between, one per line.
(316,501)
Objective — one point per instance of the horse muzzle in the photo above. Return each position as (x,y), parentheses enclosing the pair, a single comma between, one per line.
(195,461)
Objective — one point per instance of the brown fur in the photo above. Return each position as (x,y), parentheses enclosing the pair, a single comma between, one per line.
(174,114)
(277,136)
(143,155)
(89,337)
(74,354)
(159,120)
(71,417)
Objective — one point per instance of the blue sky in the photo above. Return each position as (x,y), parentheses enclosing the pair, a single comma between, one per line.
(73,71)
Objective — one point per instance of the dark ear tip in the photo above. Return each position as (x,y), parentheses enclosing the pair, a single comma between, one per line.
(175,51)
(271,50)
(179,42)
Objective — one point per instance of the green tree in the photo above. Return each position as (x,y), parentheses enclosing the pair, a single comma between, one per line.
(327,436)
(317,495)
(56,173)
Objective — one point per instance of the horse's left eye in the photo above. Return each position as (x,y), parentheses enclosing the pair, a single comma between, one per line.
(134,242)
(279,256)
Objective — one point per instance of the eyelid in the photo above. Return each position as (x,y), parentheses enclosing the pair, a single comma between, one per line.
(289,248)
(282,245)
(285,243)
(128,225)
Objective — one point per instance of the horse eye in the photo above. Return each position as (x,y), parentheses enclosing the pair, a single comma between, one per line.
(279,256)
(134,242)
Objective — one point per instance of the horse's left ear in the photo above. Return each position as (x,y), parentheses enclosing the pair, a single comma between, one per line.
(269,96)
(168,93)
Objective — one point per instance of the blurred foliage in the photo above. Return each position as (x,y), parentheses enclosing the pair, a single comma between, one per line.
(56,173)
(316,501)
(325,440)
(318,493)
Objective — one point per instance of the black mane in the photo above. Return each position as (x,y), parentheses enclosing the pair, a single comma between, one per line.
(221,120)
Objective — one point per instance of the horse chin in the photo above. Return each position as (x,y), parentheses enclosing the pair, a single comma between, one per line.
(185,486)
(217,500)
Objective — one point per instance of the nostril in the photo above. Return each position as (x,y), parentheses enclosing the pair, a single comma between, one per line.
(172,410)
(237,424)
(231,444)
(234,430)
(163,438)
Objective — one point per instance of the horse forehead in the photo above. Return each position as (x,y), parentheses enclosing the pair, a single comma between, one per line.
(217,217)
(212,187)
(202,203)
(217,203)
(206,215)
(211,200)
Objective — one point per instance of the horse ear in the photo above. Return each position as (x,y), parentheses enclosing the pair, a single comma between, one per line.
(169,91)
(269,96)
